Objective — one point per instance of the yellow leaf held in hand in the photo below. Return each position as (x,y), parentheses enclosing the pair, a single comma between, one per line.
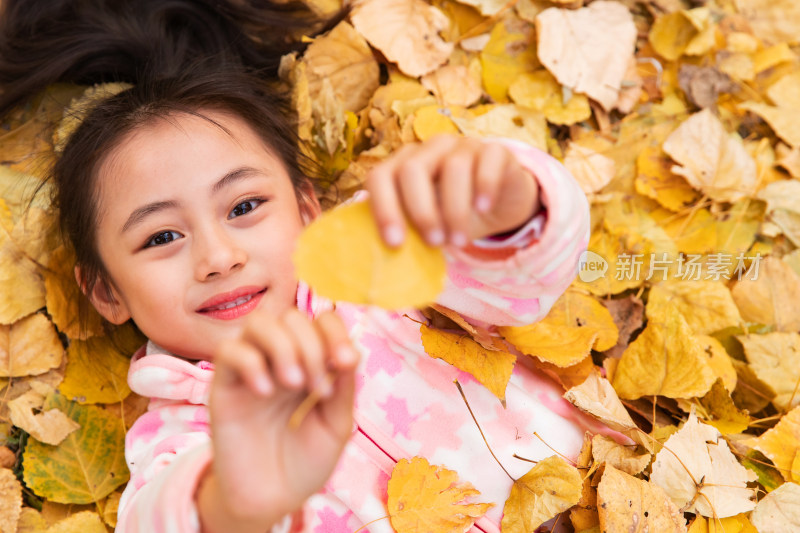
(406,31)
(778,511)
(588,49)
(29,347)
(425,497)
(775,358)
(698,471)
(549,488)
(632,505)
(342,256)
(781,444)
(712,160)
(665,359)
(491,368)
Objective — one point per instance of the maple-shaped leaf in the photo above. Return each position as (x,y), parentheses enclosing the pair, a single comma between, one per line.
(360,268)
(701,475)
(425,497)
(491,367)
(549,488)
(626,503)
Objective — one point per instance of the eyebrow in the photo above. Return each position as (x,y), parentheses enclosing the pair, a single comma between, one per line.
(143,212)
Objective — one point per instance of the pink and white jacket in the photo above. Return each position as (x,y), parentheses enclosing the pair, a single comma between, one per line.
(406,402)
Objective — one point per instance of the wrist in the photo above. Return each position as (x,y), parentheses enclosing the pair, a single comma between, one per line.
(217,517)
(535,208)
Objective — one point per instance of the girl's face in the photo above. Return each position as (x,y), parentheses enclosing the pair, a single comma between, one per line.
(196,229)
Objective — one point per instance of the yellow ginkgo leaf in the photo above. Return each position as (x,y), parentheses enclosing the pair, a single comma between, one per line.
(492,368)
(425,497)
(29,347)
(358,267)
(665,359)
(707,306)
(626,503)
(549,488)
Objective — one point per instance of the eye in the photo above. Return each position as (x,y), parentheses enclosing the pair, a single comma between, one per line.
(245,207)
(162,238)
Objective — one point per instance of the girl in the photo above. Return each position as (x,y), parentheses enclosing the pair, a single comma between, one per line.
(183,197)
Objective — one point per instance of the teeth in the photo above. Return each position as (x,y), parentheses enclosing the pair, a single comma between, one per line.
(238,301)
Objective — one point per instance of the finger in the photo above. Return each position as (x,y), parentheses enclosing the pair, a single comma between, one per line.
(490,170)
(311,350)
(337,340)
(235,361)
(277,347)
(337,411)
(420,201)
(384,200)
(456,194)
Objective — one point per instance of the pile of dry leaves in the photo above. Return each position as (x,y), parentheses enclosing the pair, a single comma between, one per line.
(680,119)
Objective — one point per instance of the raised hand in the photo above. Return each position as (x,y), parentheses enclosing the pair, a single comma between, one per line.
(262,467)
(451,189)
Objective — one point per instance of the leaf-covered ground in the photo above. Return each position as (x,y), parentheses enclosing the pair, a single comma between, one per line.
(681,120)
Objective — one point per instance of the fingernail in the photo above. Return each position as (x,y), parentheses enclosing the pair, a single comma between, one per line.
(393,235)
(263,385)
(294,375)
(458,239)
(482,203)
(435,237)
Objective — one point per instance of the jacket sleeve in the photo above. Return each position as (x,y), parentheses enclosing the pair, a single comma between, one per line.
(515,280)
(167,450)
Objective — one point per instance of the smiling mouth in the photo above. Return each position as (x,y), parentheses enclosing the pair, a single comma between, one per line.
(234,308)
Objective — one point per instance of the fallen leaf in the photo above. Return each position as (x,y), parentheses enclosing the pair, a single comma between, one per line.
(406,31)
(489,367)
(719,360)
(64,297)
(778,511)
(87,466)
(773,21)
(775,358)
(665,359)
(510,121)
(30,521)
(717,409)
(583,514)
(656,180)
(598,398)
(50,427)
(453,85)
(711,160)
(688,32)
(82,522)
(29,347)
(540,91)
(549,488)
(783,120)
(607,450)
(408,276)
(627,314)
(783,207)
(703,85)
(629,504)
(425,497)
(433,120)
(750,393)
(699,473)
(97,372)
(21,287)
(781,443)
(789,159)
(588,49)
(707,306)
(344,59)
(510,51)
(10,500)
(592,170)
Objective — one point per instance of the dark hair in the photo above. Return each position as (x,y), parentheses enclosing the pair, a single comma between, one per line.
(182,57)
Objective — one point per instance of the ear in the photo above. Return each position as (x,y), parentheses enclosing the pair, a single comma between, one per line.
(309,204)
(104,299)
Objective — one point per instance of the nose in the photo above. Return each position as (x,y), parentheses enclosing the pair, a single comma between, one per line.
(217,254)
